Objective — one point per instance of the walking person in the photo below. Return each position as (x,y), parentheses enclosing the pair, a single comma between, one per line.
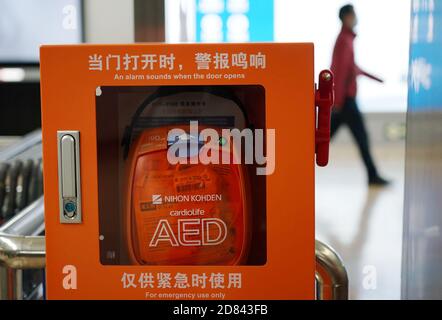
(346,110)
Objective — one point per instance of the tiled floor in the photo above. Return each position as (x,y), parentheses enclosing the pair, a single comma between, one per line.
(364,225)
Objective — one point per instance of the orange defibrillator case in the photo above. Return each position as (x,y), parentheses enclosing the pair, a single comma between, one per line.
(185,214)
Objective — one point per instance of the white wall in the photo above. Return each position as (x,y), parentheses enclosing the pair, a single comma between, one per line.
(109,21)
(381,46)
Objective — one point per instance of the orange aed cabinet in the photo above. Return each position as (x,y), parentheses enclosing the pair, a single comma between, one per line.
(136,204)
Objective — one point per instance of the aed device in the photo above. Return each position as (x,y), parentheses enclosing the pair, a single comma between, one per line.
(186,214)
(123,222)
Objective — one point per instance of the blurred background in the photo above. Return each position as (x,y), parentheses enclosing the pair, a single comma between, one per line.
(364,224)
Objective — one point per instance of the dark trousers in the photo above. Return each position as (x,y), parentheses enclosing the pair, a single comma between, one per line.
(350,115)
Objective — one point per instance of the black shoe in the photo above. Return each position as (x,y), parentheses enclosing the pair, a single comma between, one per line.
(378,182)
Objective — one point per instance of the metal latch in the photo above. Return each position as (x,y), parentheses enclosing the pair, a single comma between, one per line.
(69,176)
(324,101)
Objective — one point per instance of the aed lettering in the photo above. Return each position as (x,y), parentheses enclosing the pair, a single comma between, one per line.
(203,232)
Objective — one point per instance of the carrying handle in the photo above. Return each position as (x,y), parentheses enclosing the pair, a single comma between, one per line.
(324,101)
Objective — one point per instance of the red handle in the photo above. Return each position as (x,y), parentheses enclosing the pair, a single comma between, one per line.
(324,102)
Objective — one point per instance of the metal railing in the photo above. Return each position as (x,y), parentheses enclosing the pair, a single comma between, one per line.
(28,252)
(22,252)
(21,249)
(331,275)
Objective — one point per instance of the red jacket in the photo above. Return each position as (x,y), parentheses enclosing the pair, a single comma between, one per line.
(344,67)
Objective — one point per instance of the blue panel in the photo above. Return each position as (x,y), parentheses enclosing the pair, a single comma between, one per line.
(244,21)
(261,20)
(426,55)
(422,245)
